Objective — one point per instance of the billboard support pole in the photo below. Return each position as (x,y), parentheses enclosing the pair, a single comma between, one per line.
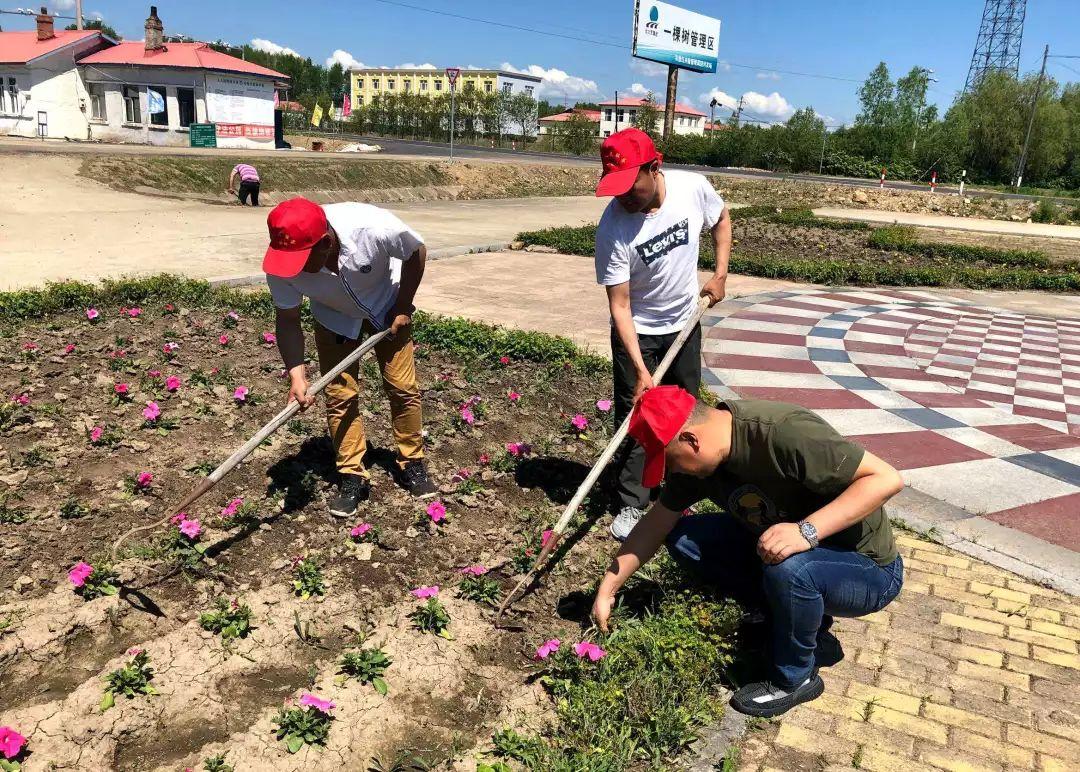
(669,108)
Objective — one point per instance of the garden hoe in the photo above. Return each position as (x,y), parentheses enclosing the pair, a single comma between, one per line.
(598,467)
(245,450)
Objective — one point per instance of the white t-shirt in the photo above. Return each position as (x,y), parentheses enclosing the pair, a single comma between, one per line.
(374,244)
(658,253)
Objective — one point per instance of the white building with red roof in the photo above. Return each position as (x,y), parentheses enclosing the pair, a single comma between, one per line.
(85,86)
(619,115)
(552,124)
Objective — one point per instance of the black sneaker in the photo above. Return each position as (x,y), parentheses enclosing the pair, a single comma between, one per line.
(353,490)
(829,652)
(414,478)
(765,699)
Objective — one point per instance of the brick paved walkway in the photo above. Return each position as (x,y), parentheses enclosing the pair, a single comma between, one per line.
(969,668)
(977,407)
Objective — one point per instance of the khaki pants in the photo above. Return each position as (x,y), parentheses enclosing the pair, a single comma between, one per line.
(395,358)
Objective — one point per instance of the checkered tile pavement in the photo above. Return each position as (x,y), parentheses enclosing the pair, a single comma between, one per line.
(976,406)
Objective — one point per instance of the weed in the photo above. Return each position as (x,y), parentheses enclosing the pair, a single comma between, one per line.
(216,764)
(308,634)
(203,468)
(469,486)
(368,666)
(868,708)
(299,727)
(298,427)
(10,515)
(480,589)
(73,509)
(1045,212)
(857,757)
(308,578)
(730,762)
(230,620)
(35,457)
(129,681)
(403,761)
(432,617)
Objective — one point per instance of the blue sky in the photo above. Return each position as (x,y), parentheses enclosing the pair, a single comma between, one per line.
(841,38)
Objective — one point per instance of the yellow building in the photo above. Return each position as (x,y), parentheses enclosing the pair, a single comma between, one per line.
(369,82)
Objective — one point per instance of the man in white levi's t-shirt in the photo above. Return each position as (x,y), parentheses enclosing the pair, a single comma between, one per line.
(647,259)
(360,266)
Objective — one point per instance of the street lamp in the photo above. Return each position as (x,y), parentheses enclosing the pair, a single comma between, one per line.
(918,110)
(712,119)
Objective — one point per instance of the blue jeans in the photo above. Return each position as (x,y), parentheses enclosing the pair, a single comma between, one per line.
(803,592)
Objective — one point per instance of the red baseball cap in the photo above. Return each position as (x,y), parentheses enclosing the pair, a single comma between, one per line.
(658,416)
(621,155)
(295,227)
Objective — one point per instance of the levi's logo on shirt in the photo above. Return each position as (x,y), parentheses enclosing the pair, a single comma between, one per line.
(659,245)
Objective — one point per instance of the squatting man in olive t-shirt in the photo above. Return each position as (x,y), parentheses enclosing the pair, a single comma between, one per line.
(803,530)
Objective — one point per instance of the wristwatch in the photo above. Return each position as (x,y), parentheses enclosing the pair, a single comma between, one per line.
(809,532)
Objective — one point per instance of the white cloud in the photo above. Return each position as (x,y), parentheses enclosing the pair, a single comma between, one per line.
(723,66)
(62,5)
(768,76)
(411,66)
(647,68)
(344,58)
(270,47)
(771,106)
(95,15)
(557,83)
(639,89)
(722,98)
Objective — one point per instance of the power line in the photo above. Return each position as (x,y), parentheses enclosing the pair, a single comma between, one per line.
(794,72)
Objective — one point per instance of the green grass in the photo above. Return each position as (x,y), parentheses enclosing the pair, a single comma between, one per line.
(947,265)
(471,341)
(644,702)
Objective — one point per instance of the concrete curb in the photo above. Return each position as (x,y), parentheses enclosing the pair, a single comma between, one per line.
(254,279)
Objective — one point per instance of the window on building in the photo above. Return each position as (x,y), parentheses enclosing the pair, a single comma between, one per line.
(359,83)
(470,85)
(607,114)
(423,85)
(132,107)
(438,84)
(631,115)
(162,118)
(607,133)
(529,90)
(360,99)
(488,86)
(407,86)
(97,101)
(374,84)
(9,95)
(508,87)
(389,84)
(185,106)
(620,116)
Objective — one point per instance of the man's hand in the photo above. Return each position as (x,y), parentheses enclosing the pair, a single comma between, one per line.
(716,289)
(400,322)
(298,387)
(780,542)
(601,609)
(644,381)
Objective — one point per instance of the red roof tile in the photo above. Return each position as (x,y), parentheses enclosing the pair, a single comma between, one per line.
(23,46)
(592,115)
(680,108)
(188,55)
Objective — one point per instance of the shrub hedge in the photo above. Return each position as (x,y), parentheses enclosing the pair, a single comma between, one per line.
(903,238)
(453,335)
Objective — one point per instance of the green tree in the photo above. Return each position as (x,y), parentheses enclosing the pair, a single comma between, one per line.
(801,139)
(522,110)
(99,25)
(647,116)
(577,134)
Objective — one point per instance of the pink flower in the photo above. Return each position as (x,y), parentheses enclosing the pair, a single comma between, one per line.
(547,648)
(170,347)
(460,475)
(69,348)
(269,338)
(476,570)
(134,651)
(178,518)
(134,313)
(223,339)
(95,434)
(79,573)
(11,742)
(580,422)
(426,592)
(190,528)
(232,507)
(172,383)
(233,316)
(21,399)
(359,530)
(504,360)
(436,510)
(121,388)
(241,393)
(603,405)
(144,479)
(151,411)
(484,459)
(169,308)
(518,449)
(513,396)
(92,314)
(154,373)
(467,415)
(545,537)
(590,650)
(29,346)
(309,700)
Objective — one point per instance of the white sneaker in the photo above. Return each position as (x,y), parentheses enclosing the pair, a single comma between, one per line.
(625,521)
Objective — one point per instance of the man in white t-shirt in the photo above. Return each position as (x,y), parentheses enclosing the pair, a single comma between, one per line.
(359,266)
(647,258)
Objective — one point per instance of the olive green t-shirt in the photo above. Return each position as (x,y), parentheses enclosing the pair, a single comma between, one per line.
(785,464)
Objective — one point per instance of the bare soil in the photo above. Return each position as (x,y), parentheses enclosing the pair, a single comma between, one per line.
(444,696)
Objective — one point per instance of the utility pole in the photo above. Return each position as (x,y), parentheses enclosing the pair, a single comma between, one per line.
(738,113)
(824,137)
(78,14)
(712,118)
(918,110)
(616,111)
(669,108)
(1031,120)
